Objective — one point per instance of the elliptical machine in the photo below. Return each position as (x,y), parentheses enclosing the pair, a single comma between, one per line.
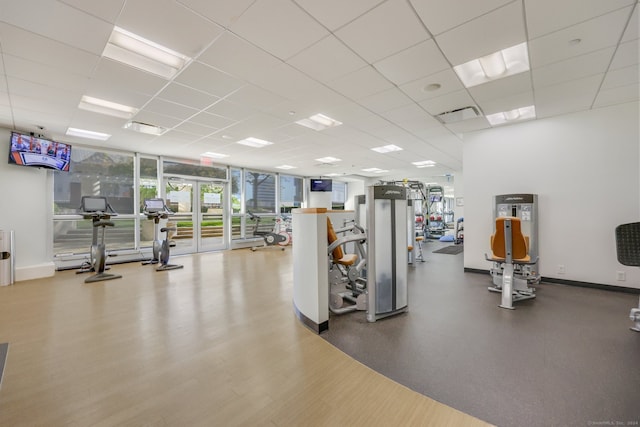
(156,210)
(98,210)
(270,238)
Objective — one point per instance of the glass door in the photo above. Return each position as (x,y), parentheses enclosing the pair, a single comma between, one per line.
(200,216)
(212,233)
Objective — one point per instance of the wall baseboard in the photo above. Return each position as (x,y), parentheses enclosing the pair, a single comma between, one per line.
(553,280)
(38,271)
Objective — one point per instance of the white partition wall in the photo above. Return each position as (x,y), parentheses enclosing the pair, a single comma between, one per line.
(310,268)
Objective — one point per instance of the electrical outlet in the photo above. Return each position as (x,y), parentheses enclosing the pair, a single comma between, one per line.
(621,276)
(561,269)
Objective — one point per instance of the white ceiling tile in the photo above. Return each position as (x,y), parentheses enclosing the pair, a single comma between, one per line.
(626,54)
(165,21)
(573,68)
(170,109)
(418,89)
(508,103)
(223,12)
(450,102)
(156,119)
(423,127)
(255,97)
(618,95)
(44,75)
(567,97)
(237,57)
(421,60)
(598,33)
(231,110)
(59,22)
(25,44)
(211,120)
(386,100)
(489,33)
(119,83)
(469,125)
(180,94)
(541,21)
(621,77)
(279,27)
(327,60)
(195,129)
(106,10)
(502,88)
(442,15)
(30,94)
(383,31)
(204,78)
(287,82)
(325,11)
(631,33)
(363,82)
(405,113)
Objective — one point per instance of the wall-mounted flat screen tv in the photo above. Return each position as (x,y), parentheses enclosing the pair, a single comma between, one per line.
(30,150)
(321,185)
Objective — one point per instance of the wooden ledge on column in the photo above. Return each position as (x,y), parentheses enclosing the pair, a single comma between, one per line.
(309,210)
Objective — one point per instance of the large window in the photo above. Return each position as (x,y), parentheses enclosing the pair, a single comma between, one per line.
(338,195)
(291,193)
(93,173)
(260,192)
(183,167)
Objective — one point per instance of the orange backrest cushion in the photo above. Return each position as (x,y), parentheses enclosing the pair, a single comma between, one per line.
(332,237)
(519,243)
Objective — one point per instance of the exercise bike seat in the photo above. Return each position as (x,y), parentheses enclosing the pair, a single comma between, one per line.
(165,229)
(103,223)
(339,257)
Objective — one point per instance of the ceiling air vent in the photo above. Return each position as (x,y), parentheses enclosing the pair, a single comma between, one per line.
(458,115)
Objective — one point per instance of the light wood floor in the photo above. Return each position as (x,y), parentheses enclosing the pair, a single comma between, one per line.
(215,343)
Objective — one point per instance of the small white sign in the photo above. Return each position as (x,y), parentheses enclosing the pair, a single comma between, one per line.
(212,198)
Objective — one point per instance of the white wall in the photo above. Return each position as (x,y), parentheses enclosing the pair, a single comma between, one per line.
(584,168)
(27,209)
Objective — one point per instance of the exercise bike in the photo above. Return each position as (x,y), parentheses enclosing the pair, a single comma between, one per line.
(156,210)
(270,238)
(98,210)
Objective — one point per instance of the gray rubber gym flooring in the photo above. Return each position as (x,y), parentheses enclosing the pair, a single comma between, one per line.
(565,358)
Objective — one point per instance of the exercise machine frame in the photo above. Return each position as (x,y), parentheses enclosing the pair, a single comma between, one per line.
(99,211)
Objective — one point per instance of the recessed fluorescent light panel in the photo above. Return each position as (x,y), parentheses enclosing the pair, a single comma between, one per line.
(109,108)
(387,148)
(424,164)
(333,174)
(319,122)
(498,65)
(82,133)
(214,155)
(285,167)
(144,128)
(376,170)
(523,113)
(131,49)
(328,160)
(254,142)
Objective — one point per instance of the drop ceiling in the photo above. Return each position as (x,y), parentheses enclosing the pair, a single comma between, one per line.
(258,66)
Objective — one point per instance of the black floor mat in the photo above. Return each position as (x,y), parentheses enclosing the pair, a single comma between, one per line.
(450,250)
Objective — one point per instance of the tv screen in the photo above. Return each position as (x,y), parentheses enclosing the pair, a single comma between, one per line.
(321,185)
(29,150)
(435,198)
